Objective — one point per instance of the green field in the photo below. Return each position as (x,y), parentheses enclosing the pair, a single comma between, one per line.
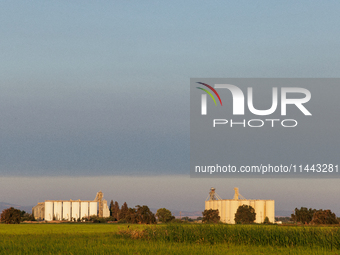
(167,239)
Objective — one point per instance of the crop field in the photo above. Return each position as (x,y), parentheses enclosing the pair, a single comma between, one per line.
(167,239)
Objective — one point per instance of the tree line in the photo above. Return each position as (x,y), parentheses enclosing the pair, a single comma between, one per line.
(313,216)
(138,214)
(142,214)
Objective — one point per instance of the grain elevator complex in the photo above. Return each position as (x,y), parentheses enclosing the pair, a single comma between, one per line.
(228,207)
(71,209)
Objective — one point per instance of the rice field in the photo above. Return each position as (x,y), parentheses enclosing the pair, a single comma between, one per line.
(167,239)
(260,235)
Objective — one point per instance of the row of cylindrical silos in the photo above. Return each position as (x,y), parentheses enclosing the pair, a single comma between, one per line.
(68,210)
(227,209)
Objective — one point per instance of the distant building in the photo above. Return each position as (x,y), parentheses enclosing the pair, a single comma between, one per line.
(228,207)
(39,211)
(71,209)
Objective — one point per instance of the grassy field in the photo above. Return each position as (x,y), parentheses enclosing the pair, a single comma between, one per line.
(166,239)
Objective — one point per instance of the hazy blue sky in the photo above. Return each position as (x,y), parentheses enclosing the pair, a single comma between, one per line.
(101,89)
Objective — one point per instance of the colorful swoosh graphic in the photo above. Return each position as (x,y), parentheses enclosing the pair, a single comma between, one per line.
(208,93)
(212,89)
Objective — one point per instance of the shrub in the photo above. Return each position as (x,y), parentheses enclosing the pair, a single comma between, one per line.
(96,219)
(177,221)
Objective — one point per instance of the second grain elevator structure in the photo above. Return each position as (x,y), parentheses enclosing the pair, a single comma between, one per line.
(228,207)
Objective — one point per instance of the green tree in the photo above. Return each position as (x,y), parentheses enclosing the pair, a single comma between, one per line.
(303,215)
(245,214)
(111,208)
(131,216)
(114,210)
(11,216)
(210,216)
(26,216)
(123,211)
(164,215)
(324,217)
(144,215)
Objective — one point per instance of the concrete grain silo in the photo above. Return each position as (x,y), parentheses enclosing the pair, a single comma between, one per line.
(67,210)
(75,210)
(57,210)
(39,211)
(233,208)
(227,211)
(270,210)
(93,208)
(70,210)
(84,209)
(260,211)
(245,202)
(228,207)
(49,210)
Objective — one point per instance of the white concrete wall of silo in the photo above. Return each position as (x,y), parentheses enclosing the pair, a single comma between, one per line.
(244,202)
(219,207)
(84,209)
(260,211)
(75,210)
(228,217)
(93,209)
(233,210)
(270,210)
(252,203)
(215,205)
(58,210)
(223,213)
(67,210)
(48,211)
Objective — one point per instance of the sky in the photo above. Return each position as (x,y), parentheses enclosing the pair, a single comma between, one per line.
(95,94)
